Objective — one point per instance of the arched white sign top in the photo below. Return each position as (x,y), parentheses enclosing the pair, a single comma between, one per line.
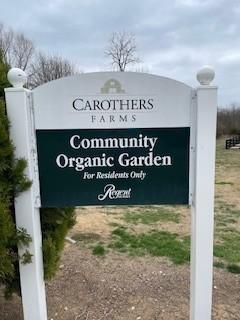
(112,100)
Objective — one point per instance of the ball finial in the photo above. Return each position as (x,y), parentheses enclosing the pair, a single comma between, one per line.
(17,77)
(205,75)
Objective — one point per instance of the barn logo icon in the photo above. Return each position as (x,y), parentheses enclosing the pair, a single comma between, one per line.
(112,86)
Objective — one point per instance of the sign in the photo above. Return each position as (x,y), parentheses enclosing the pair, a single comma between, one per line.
(116,138)
(114,166)
(113,138)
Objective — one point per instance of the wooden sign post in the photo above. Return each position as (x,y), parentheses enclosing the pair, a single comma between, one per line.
(116,138)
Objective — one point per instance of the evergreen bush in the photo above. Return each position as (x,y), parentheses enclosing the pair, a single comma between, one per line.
(55,224)
(55,221)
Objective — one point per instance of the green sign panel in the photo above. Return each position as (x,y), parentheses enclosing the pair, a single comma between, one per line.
(113,166)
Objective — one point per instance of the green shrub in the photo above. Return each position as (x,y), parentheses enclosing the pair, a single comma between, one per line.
(55,225)
(55,221)
(12,181)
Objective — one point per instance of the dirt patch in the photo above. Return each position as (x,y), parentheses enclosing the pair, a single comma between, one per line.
(119,287)
(95,220)
(183,227)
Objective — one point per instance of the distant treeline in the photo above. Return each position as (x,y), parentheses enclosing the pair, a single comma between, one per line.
(228,120)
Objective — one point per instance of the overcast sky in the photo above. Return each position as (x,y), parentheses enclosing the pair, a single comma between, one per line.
(174,37)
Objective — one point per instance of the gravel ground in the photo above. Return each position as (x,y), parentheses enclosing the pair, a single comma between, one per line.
(122,287)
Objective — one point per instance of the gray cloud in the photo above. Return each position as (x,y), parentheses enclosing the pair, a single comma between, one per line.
(175,38)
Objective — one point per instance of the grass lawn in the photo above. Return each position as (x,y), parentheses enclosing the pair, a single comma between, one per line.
(165,230)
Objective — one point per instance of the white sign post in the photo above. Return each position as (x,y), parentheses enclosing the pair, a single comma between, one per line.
(26,209)
(203,198)
(146,101)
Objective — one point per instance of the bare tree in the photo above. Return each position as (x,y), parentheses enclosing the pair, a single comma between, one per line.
(22,51)
(16,49)
(122,50)
(6,40)
(228,120)
(48,68)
